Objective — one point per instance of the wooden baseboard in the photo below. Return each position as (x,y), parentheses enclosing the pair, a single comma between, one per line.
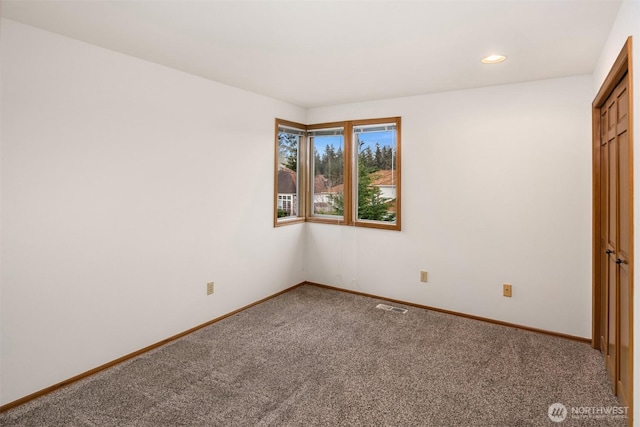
(455,313)
(83,375)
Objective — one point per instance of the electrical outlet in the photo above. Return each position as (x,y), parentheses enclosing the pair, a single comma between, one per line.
(423,276)
(209,288)
(506,290)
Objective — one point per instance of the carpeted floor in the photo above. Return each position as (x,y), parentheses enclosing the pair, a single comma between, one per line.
(318,357)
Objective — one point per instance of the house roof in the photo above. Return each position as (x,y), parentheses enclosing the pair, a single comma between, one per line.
(378,178)
(320,184)
(336,189)
(287,180)
(384,177)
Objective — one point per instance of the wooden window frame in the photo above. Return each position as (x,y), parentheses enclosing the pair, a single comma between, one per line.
(378,224)
(300,175)
(328,219)
(305,181)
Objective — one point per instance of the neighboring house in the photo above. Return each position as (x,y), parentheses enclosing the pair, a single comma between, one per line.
(385,180)
(287,186)
(322,196)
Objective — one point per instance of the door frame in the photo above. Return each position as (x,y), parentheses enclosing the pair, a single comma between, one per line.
(621,66)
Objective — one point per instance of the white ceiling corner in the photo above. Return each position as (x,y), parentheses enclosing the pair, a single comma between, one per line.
(316,53)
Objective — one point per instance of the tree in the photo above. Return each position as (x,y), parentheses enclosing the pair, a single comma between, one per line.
(318,162)
(288,150)
(371,205)
(379,158)
(367,158)
(328,160)
(335,167)
(330,164)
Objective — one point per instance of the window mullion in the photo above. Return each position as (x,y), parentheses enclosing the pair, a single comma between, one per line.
(348,174)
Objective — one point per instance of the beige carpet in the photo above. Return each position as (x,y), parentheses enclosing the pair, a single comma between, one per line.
(318,357)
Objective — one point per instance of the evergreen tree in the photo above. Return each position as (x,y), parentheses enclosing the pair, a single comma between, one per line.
(371,204)
(387,158)
(288,150)
(336,176)
(379,158)
(367,158)
(318,162)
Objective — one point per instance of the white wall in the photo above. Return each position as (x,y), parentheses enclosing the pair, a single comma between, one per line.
(496,189)
(126,187)
(627,24)
(122,195)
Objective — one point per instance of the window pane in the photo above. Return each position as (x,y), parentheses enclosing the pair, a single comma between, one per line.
(287,182)
(377,173)
(327,164)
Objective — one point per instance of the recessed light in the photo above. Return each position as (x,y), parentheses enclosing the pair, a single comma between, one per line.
(493,59)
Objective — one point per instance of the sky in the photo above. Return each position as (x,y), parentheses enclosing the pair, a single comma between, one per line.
(370,138)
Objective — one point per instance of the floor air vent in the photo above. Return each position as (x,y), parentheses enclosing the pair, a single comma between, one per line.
(391,308)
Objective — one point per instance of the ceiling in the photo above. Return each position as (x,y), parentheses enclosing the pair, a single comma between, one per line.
(317,53)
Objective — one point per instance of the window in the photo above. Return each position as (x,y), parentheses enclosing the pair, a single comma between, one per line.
(327,183)
(376,172)
(351,172)
(288,180)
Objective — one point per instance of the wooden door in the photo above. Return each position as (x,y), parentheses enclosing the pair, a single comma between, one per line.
(615,239)
(603,254)
(623,248)
(613,226)
(610,156)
